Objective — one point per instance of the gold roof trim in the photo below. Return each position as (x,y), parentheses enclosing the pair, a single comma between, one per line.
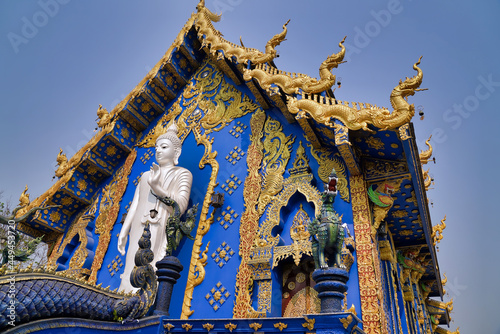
(290,83)
(212,38)
(426,155)
(76,159)
(323,110)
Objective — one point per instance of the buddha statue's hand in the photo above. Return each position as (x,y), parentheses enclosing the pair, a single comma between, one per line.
(122,241)
(154,177)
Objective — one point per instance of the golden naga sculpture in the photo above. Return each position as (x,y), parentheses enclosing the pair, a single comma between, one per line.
(427,179)
(437,234)
(213,38)
(425,156)
(323,110)
(24,199)
(62,163)
(292,82)
(103,117)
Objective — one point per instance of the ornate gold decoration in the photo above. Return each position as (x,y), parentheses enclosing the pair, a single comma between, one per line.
(443,282)
(301,163)
(237,129)
(327,161)
(227,217)
(261,270)
(408,295)
(375,143)
(229,103)
(341,134)
(217,296)
(380,212)
(168,326)
(230,326)
(261,252)
(222,254)
(425,156)
(24,199)
(115,266)
(277,150)
(111,150)
(399,213)
(264,296)
(386,251)
(214,40)
(346,321)
(281,326)
(24,202)
(54,216)
(235,155)
(352,309)
(187,327)
(208,327)
(82,185)
(65,165)
(354,118)
(77,228)
(440,330)
(427,179)
(300,240)
(305,301)
(437,232)
(108,212)
(347,257)
(290,83)
(196,273)
(62,163)
(302,184)
(255,326)
(309,324)
(404,131)
(103,116)
(231,184)
(220,102)
(249,222)
(367,257)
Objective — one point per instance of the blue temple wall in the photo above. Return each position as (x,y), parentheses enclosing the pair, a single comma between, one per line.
(231,142)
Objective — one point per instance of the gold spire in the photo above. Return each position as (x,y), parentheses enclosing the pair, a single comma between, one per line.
(425,156)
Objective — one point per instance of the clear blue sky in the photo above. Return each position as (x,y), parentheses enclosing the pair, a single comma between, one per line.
(58,63)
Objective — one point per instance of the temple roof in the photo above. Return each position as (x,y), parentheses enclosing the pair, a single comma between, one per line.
(367,137)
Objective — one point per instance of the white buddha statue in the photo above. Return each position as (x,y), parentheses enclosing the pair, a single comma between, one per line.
(164,179)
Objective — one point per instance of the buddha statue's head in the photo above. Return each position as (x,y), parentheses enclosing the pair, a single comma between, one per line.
(168,147)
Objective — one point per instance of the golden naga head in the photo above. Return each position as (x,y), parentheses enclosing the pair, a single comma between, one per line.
(278,38)
(335,59)
(200,7)
(414,82)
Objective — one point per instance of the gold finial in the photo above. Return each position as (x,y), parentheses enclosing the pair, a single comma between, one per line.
(427,179)
(425,156)
(24,199)
(62,163)
(437,231)
(103,117)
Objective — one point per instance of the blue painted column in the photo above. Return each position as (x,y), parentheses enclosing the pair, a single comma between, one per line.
(331,286)
(168,272)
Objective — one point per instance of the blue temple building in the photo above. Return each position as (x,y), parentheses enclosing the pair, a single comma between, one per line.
(261,145)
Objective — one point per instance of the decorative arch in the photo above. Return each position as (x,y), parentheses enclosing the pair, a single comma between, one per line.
(293,184)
